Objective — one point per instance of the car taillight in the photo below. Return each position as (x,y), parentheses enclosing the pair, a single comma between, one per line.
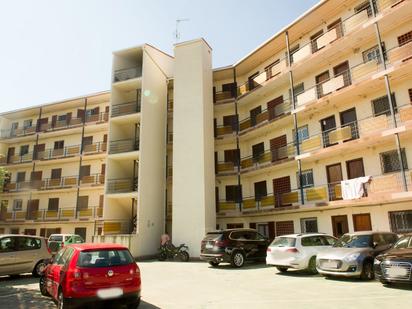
(221,243)
(135,271)
(268,250)
(292,250)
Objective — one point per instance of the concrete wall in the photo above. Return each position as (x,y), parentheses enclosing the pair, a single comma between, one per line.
(193,164)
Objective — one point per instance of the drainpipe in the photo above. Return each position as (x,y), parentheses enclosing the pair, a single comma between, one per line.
(389,96)
(81,158)
(295,120)
(237,145)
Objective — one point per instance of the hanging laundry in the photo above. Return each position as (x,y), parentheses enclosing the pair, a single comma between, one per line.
(353,188)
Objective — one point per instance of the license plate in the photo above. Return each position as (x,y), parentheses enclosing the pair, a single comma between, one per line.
(397,272)
(209,246)
(109,293)
(330,264)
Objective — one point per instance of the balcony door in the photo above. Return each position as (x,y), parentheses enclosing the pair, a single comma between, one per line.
(10,154)
(253,114)
(277,147)
(272,107)
(328,125)
(39,149)
(320,79)
(334,174)
(230,121)
(232,155)
(280,185)
(348,118)
(355,168)
(32,209)
(343,69)
(35,178)
(340,225)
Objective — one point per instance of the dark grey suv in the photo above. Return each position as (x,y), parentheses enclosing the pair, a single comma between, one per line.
(234,246)
(353,254)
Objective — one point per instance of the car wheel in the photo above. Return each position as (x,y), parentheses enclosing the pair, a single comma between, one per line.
(214,264)
(184,256)
(237,259)
(134,305)
(367,271)
(282,269)
(42,286)
(61,301)
(312,265)
(39,269)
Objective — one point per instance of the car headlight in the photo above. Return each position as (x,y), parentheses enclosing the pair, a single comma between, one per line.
(351,257)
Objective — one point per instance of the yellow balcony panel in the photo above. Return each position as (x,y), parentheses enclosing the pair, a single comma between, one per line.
(243,89)
(52,214)
(267,201)
(338,191)
(226,167)
(406,114)
(112,227)
(266,157)
(9,215)
(67,213)
(249,204)
(90,148)
(306,97)
(72,151)
(316,194)
(224,95)
(224,130)
(20,215)
(70,181)
(246,124)
(401,53)
(340,135)
(246,163)
(99,211)
(290,198)
(55,182)
(311,144)
(88,179)
(385,184)
(86,212)
(364,70)
(262,117)
(373,124)
(225,206)
(353,22)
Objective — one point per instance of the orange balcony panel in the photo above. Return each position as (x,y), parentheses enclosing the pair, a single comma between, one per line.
(249,204)
(316,194)
(385,184)
(67,213)
(290,198)
(406,114)
(262,117)
(221,96)
(86,212)
(112,227)
(311,143)
(70,181)
(224,130)
(340,135)
(364,70)
(267,201)
(246,163)
(90,148)
(52,214)
(9,215)
(72,151)
(225,206)
(369,125)
(245,125)
(20,215)
(99,211)
(226,167)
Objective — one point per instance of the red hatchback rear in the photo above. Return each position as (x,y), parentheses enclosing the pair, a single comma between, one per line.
(85,273)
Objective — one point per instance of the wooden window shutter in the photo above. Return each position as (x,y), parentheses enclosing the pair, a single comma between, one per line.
(252,225)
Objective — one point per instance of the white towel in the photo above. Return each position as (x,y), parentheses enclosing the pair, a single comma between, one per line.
(353,188)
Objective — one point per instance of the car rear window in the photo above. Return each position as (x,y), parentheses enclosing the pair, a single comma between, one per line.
(104,258)
(213,236)
(283,242)
(312,241)
(56,238)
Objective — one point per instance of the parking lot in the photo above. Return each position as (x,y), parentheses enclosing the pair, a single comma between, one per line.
(197,285)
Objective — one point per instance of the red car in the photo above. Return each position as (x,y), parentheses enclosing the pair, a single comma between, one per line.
(88,273)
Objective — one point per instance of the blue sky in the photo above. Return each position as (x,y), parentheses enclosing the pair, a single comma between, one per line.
(57,49)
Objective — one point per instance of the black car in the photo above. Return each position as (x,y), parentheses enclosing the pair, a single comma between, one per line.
(234,246)
(395,265)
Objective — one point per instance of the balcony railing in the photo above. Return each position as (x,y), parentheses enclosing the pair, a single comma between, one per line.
(122,185)
(94,148)
(125,74)
(12,133)
(125,145)
(221,131)
(62,214)
(54,183)
(126,108)
(112,227)
(319,195)
(100,117)
(223,96)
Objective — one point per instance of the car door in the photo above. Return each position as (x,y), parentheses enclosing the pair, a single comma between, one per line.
(53,273)
(7,255)
(311,246)
(28,253)
(379,244)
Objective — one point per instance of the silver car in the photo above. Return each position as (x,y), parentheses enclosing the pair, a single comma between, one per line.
(353,254)
(23,254)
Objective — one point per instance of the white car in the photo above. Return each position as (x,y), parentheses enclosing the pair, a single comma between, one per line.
(297,251)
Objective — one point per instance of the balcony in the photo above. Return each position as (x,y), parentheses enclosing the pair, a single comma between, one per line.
(126,74)
(62,214)
(113,227)
(221,97)
(100,117)
(126,108)
(65,182)
(222,131)
(13,133)
(122,185)
(125,145)
(380,188)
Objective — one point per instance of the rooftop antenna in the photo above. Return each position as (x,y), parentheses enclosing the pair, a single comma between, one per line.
(177,33)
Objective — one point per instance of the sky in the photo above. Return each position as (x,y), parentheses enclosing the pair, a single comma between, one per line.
(52,50)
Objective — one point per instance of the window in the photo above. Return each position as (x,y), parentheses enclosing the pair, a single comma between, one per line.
(390,161)
(293,50)
(14,231)
(263,229)
(373,53)
(268,69)
(24,150)
(28,243)
(83,202)
(381,106)
(58,144)
(309,225)
(401,221)
(234,225)
(27,123)
(258,150)
(21,176)
(7,244)
(17,205)
(312,241)
(365,6)
(62,118)
(104,258)
(297,89)
(307,179)
(410,95)
(53,204)
(405,38)
(303,133)
(260,189)
(233,193)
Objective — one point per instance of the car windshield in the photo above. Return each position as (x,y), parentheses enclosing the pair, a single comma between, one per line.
(104,258)
(354,241)
(56,238)
(283,242)
(404,243)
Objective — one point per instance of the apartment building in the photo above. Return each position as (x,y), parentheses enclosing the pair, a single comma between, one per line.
(309,132)
(55,156)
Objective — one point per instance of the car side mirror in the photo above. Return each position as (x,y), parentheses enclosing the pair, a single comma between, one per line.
(375,244)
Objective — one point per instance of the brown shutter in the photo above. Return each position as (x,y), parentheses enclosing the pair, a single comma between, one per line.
(252,225)
(271,228)
(68,117)
(43,232)
(54,120)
